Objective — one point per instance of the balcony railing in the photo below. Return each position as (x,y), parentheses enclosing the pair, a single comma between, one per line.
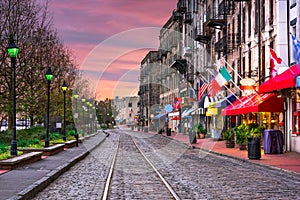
(228,43)
(188,18)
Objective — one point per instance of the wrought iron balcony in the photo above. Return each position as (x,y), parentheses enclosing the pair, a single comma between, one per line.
(215,17)
(181,7)
(204,35)
(188,18)
(228,43)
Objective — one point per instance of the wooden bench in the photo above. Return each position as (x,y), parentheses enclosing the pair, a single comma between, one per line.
(48,151)
(19,161)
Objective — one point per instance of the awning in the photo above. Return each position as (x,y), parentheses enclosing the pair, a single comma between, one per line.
(287,79)
(255,103)
(159,116)
(226,101)
(187,112)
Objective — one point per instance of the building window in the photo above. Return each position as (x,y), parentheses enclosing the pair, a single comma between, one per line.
(244,67)
(263,13)
(257,9)
(249,62)
(271,13)
(249,19)
(263,63)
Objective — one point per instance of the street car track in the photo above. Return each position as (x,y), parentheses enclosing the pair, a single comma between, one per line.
(108,183)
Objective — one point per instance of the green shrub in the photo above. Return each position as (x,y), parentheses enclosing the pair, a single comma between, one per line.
(55,136)
(3,147)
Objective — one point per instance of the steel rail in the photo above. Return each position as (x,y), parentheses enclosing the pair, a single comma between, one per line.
(168,186)
(109,177)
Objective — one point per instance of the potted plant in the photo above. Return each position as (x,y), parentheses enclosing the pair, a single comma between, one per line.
(199,130)
(254,149)
(241,134)
(228,136)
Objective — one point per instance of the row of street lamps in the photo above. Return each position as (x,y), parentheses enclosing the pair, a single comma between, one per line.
(13,52)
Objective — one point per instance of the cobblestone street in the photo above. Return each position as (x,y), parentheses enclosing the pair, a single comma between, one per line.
(193,174)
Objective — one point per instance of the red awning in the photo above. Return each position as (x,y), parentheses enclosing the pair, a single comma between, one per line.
(287,79)
(255,103)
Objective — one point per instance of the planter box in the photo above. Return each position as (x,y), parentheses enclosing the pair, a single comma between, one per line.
(48,151)
(20,161)
(70,144)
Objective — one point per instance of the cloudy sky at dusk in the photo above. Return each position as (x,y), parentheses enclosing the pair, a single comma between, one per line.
(110,38)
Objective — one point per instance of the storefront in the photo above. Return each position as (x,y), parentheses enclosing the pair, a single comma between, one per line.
(285,85)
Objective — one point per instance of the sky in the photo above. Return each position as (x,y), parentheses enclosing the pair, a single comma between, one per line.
(109,38)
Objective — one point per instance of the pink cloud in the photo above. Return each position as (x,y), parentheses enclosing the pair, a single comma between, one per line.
(84,24)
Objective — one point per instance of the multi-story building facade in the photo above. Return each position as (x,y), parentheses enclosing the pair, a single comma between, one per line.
(127,109)
(201,36)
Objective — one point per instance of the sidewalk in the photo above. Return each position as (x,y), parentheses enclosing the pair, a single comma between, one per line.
(289,161)
(24,182)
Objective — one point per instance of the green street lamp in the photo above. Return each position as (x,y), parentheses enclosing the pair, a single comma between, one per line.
(49,77)
(64,88)
(83,122)
(88,112)
(13,52)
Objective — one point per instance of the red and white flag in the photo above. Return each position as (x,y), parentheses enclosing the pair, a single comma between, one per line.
(202,90)
(275,61)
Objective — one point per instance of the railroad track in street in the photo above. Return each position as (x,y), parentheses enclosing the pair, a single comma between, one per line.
(130,163)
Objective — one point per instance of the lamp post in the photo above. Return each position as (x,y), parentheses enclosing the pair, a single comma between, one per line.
(83,123)
(13,52)
(88,112)
(49,77)
(64,88)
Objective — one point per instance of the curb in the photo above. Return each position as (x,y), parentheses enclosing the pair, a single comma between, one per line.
(236,158)
(41,184)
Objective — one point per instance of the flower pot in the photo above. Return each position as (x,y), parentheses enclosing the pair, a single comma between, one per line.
(243,146)
(200,135)
(229,143)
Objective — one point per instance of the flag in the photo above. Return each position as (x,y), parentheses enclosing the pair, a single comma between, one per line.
(275,61)
(296,49)
(202,90)
(223,77)
(177,103)
(213,88)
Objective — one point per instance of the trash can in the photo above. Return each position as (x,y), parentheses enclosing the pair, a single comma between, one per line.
(168,131)
(273,142)
(160,131)
(192,137)
(254,148)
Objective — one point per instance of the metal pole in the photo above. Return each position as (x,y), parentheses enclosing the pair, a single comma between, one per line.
(47,120)
(13,150)
(83,123)
(64,136)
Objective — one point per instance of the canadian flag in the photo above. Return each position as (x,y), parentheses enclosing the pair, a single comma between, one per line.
(275,61)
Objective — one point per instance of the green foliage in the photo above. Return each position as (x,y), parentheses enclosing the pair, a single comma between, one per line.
(228,135)
(54,136)
(29,142)
(255,130)
(198,128)
(241,132)
(3,148)
(6,155)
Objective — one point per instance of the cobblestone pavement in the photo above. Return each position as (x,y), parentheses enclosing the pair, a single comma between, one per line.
(86,179)
(193,174)
(133,177)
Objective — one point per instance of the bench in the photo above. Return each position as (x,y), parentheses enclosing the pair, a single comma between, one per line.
(19,161)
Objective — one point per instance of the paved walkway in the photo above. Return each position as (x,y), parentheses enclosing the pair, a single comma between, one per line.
(289,161)
(23,182)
